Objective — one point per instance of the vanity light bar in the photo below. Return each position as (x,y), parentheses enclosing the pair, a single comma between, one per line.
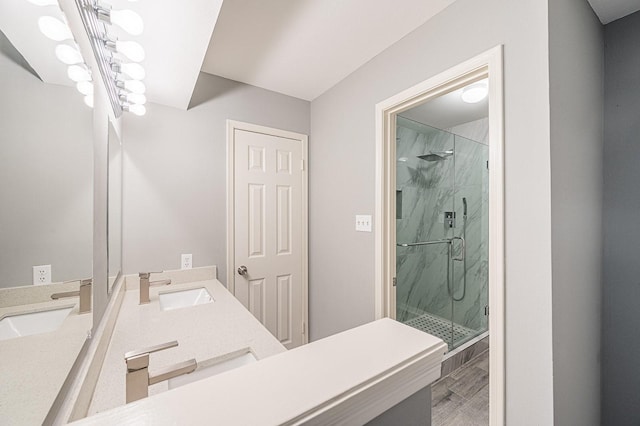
(96,18)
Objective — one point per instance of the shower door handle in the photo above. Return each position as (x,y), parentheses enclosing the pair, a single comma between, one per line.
(463,249)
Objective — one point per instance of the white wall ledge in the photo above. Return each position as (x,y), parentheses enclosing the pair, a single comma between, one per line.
(348,378)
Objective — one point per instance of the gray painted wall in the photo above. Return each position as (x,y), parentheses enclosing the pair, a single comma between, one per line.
(46,170)
(173,157)
(577,99)
(621,269)
(342,173)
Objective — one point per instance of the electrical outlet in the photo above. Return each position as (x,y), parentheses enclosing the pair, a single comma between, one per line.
(42,275)
(187,261)
(363,223)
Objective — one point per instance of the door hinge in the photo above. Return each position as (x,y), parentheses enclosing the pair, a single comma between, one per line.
(486,310)
(301,164)
(395,281)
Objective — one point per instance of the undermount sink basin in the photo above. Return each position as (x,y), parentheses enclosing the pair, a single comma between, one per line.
(33,323)
(212,367)
(184,298)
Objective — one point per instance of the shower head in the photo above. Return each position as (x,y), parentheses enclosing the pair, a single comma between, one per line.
(436,156)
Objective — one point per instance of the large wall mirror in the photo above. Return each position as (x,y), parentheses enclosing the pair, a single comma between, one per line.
(46,231)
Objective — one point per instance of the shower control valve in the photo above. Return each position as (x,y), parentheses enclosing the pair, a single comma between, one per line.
(449,219)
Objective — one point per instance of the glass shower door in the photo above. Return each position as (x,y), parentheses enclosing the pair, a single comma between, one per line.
(470,275)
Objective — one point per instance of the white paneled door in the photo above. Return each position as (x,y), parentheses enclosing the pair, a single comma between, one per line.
(269,267)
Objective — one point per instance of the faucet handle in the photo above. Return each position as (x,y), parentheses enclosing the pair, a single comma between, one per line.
(146,351)
(148,274)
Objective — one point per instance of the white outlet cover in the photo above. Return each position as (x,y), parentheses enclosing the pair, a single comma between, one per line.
(42,275)
(363,223)
(186,261)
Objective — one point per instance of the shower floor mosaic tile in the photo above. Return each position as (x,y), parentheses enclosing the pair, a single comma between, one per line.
(441,328)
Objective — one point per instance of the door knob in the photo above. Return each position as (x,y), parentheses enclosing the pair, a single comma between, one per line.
(242,270)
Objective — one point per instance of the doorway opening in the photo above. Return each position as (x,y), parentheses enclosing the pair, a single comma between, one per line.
(440,211)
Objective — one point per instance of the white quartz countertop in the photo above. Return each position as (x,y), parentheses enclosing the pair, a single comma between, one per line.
(204,332)
(33,368)
(348,378)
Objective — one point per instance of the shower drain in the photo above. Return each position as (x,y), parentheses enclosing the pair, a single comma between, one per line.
(441,328)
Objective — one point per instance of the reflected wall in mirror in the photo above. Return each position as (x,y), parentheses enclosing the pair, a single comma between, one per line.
(114,220)
(46,170)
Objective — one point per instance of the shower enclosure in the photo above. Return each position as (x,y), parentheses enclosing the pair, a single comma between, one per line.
(441,232)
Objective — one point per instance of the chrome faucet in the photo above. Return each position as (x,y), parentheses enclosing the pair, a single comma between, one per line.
(138,378)
(145,284)
(84,292)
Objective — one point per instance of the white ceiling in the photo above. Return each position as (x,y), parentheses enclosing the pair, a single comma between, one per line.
(19,22)
(304,47)
(610,10)
(447,111)
(175,40)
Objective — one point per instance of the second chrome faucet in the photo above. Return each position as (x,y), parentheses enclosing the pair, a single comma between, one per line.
(145,284)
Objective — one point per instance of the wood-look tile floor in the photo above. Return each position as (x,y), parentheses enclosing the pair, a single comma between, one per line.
(462,397)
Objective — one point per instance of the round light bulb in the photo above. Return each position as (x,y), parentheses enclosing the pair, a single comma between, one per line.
(85,87)
(135,86)
(475,92)
(136,98)
(54,28)
(133,70)
(128,20)
(44,2)
(131,50)
(88,101)
(68,54)
(138,110)
(78,73)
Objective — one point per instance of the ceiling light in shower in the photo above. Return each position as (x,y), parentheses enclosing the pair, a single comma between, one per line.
(85,87)
(78,73)
(68,55)
(54,28)
(475,92)
(126,19)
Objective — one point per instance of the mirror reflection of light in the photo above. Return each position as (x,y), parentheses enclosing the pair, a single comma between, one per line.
(474,93)
(78,73)
(54,28)
(85,87)
(403,159)
(68,55)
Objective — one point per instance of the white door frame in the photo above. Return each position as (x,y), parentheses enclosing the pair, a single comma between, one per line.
(232,125)
(487,64)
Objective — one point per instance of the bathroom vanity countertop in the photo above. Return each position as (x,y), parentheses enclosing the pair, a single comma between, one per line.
(348,378)
(203,332)
(27,391)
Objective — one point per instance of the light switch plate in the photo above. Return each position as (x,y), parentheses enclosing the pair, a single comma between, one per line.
(42,275)
(363,223)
